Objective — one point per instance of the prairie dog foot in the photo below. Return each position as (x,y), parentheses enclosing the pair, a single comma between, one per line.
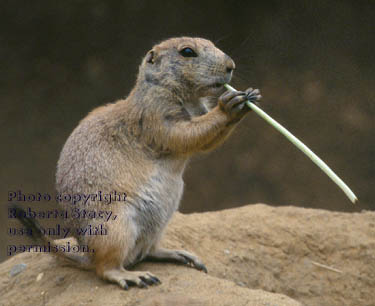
(179,256)
(126,278)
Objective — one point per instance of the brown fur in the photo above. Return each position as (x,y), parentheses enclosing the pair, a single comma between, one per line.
(141,145)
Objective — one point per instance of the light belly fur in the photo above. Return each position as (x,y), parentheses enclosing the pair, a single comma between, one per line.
(150,211)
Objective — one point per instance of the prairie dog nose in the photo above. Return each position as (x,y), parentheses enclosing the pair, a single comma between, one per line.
(230,65)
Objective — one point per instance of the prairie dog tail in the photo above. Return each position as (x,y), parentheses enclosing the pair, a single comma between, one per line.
(81,261)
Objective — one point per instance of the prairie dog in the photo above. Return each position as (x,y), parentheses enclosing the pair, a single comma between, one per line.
(140,146)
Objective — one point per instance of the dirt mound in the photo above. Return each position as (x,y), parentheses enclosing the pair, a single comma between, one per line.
(255,255)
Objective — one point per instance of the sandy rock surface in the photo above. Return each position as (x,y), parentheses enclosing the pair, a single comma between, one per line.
(255,255)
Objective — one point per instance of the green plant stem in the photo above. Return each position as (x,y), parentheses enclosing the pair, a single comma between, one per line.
(300,145)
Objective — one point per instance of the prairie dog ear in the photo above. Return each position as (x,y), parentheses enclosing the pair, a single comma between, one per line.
(150,57)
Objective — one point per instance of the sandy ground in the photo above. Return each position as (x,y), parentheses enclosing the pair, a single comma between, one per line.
(255,255)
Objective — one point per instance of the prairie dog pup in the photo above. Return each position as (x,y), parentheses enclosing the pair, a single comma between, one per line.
(140,146)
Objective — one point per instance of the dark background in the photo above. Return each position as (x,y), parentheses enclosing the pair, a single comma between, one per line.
(313,61)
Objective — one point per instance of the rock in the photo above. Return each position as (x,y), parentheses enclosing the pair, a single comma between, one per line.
(180,286)
(39,277)
(314,256)
(17,269)
(276,249)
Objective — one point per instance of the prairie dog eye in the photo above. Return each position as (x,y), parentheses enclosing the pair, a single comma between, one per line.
(188,52)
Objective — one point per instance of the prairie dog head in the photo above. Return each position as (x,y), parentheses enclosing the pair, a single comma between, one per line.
(191,68)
